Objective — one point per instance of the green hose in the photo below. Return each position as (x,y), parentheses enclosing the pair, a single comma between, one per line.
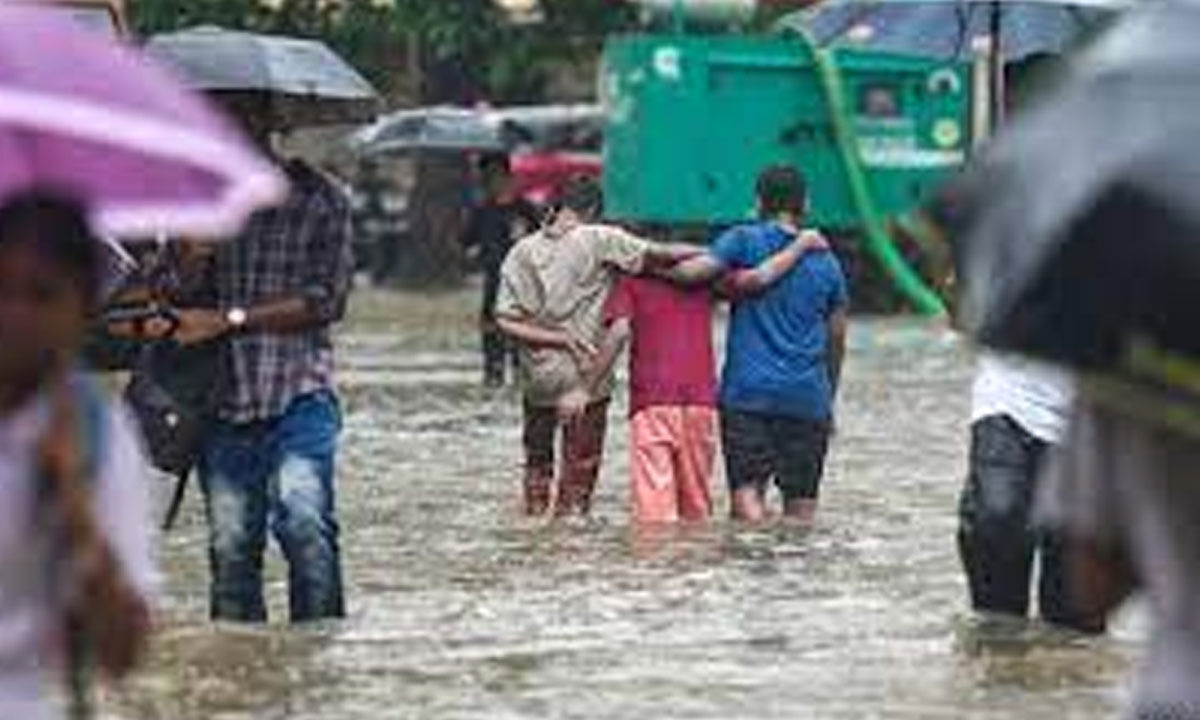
(879,243)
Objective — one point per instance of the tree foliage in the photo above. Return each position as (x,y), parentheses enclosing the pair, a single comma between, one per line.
(503,61)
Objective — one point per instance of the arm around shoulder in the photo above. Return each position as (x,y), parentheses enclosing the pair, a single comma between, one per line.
(697,269)
(750,282)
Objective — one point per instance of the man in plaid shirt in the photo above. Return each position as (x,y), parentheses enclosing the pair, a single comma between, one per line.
(280,287)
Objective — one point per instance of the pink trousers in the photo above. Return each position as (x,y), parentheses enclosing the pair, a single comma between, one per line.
(673,451)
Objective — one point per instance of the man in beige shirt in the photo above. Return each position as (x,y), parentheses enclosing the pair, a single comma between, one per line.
(553,287)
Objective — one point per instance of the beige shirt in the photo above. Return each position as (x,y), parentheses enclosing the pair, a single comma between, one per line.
(562,280)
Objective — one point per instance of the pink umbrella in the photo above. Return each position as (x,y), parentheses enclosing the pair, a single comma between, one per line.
(81,114)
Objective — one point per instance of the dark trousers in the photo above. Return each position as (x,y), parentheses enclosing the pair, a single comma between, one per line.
(997,539)
(498,351)
(582,452)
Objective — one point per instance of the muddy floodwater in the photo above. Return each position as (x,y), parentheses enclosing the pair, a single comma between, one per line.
(459,608)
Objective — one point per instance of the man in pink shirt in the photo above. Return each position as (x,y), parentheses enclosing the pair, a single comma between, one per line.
(673,393)
(673,381)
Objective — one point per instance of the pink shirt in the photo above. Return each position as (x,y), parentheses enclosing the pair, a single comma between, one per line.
(671,358)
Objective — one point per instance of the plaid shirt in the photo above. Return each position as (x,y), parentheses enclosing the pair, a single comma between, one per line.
(300,249)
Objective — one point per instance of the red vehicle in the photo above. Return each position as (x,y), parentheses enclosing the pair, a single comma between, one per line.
(561,141)
(539,174)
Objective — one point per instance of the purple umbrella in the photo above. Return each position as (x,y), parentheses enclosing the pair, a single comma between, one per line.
(84,115)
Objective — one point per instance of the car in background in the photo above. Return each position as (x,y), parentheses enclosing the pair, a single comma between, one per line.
(557,142)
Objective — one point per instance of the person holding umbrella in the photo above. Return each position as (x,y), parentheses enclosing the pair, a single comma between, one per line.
(280,286)
(1075,241)
(119,151)
(494,226)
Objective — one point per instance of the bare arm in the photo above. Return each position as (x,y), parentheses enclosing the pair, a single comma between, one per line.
(322,301)
(695,270)
(743,283)
(668,254)
(838,326)
(534,335)
(615,340)
(531,334)
(294,314)
(573,405)
(286,315)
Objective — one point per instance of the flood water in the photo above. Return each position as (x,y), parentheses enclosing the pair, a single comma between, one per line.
(459,608)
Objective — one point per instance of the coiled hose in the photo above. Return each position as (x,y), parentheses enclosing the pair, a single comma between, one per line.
(879,243)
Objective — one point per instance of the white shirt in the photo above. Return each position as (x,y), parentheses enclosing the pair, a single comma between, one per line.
(27,614)
(1036,396)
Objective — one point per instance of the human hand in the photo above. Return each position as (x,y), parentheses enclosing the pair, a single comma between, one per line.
(573,405)
(197,326)
(583,352)
(154,328)
(116,620)
(109,615)
(812,240)
(157,328)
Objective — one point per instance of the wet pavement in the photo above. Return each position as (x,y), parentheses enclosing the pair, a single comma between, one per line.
(459,608)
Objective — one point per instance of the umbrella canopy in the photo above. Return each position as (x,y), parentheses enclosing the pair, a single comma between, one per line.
(1077,231)
(455,129)
(81,114)
(948,29)
(436,129)
(306,83)
(555,127)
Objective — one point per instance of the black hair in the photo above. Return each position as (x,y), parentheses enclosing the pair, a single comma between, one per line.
(582,195)
(781,189)
(495,162)
(56,227)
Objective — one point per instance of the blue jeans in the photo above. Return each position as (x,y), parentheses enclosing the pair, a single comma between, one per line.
(281,470)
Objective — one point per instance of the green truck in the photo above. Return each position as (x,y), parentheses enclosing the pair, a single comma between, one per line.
(693,117)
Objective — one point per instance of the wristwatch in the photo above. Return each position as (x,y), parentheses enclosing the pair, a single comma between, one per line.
(236,317)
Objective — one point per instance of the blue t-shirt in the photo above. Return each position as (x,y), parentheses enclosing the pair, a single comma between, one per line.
(777,357)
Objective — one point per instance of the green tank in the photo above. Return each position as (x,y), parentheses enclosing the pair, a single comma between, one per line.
(693,118)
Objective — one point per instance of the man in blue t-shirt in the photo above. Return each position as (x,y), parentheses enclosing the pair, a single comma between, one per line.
(783,358)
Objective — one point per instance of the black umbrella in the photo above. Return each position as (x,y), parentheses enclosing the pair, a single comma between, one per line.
(300,82)
(949,29)
(1078,231)
(434,129)
(550,127)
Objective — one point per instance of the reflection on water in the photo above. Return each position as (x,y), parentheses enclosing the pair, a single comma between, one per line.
(461,609)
